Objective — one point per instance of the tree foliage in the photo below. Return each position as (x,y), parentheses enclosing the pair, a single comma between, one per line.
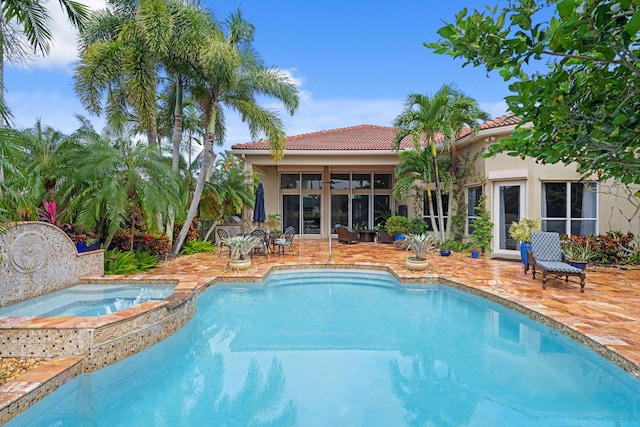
(585,105)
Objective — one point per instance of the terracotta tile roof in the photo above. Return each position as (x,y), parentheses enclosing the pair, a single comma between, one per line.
(359,138)
(506,120)
(362,137)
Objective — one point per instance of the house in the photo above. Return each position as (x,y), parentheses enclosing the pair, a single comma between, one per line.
(346,176)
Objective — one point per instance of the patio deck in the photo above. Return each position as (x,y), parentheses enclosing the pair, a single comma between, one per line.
(606,317)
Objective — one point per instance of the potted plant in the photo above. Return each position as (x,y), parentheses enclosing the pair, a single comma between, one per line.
(420,244)
(578,253)
(521,230)
(398,226)
(240,247)
(85,242)
(482,228)
(446,247)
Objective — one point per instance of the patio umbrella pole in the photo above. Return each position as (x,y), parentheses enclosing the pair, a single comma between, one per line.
(330,260)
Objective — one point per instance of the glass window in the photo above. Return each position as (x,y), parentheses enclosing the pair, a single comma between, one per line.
(360,181)
(382,181)
(555,200)
(311,215)
(290,181)
(509,213)
(381,208)
(569,208)
(339,181)
(473,197)
(360,211)
(311,181)
(291,211)
(434,209)
(339,210)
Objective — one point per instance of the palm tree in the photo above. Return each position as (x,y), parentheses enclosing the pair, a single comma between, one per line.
(41,147)
(422,120)
(194,26)
(120,51)
(231,75)
(436,119)
(26,23)
(13,178)
(414,165)
(119,182)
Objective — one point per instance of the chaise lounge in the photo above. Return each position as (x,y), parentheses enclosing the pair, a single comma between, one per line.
(545,255)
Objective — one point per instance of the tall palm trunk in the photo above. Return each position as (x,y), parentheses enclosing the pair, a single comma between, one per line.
(208,157)
(175,154)
(440,228)
(429,206)
(177,126)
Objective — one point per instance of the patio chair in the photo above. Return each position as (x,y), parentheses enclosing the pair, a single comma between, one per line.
(286,240)
(222,236)
(346,236)
(262,246)
(545,255)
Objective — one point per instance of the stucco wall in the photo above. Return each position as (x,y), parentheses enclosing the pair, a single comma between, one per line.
(39,258)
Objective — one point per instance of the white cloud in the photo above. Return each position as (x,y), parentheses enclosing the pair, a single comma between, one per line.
(64,49)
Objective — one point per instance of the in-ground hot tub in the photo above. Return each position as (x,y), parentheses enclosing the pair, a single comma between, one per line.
(88,300)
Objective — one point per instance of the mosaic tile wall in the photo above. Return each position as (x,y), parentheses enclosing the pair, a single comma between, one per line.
(99,346)
(38,258)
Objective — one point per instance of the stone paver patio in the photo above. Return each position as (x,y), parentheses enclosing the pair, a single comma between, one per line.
(606,317)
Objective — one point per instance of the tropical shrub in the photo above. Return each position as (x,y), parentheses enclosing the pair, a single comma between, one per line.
(127,262)
(521,230)
(157,243)
(482,226)
(578,251)
(454,245)
(418,225)
(613,247)
(397,224)
(196,246)
(50,213)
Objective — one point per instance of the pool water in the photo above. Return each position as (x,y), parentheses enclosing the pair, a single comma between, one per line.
(88,300)
(349,348)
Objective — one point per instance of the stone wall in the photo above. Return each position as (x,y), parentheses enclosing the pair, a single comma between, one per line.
(37,258)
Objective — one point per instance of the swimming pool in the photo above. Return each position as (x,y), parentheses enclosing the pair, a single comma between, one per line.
(88,300)
(318,348)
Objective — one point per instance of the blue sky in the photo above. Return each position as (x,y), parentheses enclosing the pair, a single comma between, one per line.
(354,63)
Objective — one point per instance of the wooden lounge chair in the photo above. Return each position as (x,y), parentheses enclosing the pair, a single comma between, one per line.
(545,255)
(346,236)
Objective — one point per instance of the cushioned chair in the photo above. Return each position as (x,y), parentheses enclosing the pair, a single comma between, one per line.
(545,254)
(346,236)
(285,241)
(222,237)
(384,236)
(262,247)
